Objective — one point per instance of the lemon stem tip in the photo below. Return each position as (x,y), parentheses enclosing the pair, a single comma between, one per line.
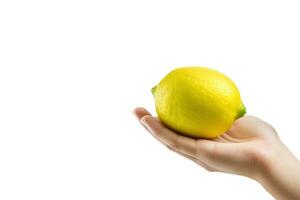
(153,90)
(241,112)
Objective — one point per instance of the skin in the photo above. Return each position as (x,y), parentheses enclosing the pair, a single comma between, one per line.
(251,148)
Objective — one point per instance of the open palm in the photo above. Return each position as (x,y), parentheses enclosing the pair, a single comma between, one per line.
(237,151)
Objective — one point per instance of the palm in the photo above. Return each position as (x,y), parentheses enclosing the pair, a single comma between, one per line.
(244,143)
(246,129)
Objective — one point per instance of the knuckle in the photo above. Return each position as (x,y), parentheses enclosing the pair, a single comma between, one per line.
(170,147)
(207,150)
(207,168)
(174,143)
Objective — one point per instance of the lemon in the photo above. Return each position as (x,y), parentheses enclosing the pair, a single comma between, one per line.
(198,102)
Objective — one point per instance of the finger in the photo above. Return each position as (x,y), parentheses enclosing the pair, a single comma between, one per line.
(140,112)
(197,161)
(205,166)
(182,154)
(203,149)
(159,131)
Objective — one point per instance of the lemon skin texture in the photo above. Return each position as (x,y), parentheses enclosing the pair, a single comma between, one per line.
(198,102)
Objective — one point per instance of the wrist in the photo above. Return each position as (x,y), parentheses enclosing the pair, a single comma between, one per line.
(279,173)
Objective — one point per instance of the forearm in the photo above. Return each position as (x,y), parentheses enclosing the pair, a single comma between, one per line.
(281,176)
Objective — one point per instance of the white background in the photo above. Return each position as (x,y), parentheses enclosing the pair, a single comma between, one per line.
(72,71)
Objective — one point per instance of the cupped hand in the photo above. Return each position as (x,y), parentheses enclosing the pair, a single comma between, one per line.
(244,149)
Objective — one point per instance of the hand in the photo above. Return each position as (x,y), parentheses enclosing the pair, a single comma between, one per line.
(250,148)
(237,151)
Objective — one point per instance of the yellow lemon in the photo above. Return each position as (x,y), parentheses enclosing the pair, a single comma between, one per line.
(198,102)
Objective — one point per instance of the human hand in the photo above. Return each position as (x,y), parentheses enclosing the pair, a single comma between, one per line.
(250,148)
(237,151)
